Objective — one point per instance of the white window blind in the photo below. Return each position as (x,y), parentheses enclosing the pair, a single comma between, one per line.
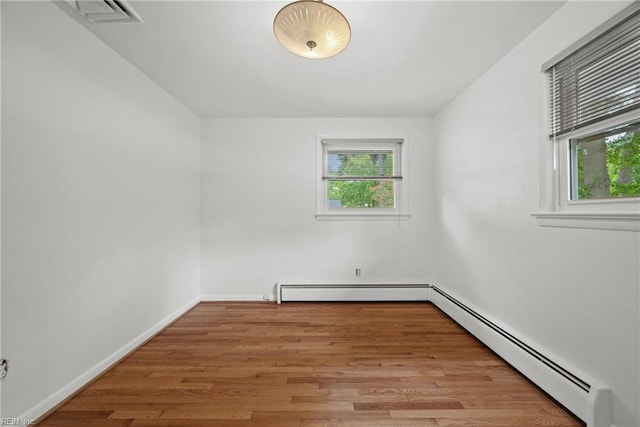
(599,80)
(364,165)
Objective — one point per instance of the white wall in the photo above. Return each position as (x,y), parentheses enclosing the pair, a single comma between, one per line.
(572,291)
(1,206)
(100,199)
(258,205)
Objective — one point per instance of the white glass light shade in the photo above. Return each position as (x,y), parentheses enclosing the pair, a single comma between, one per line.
(312,29)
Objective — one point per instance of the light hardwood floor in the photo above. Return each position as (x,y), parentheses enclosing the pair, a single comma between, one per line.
(308,364)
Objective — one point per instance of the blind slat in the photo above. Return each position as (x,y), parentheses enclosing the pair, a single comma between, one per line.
(619,67)
(618,78)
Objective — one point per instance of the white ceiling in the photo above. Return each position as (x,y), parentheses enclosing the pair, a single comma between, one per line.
(405,59)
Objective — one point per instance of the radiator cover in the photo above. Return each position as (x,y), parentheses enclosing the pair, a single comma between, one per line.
(352,292)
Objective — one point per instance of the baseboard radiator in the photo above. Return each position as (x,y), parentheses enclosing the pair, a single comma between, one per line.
(351,292)
(583,396)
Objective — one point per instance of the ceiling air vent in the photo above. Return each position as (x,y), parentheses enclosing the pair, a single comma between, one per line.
(103,11)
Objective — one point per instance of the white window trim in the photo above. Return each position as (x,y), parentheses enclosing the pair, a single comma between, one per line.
(558,210)
(399,213)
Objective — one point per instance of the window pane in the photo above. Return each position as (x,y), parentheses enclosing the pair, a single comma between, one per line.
(360,194)
(607,165)
(360,163)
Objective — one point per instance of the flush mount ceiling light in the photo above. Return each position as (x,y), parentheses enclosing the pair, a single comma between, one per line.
(312,29)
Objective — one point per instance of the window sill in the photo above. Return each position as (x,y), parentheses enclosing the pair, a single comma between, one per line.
(622,221)
(362,216)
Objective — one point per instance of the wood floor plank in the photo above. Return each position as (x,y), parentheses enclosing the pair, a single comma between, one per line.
(373,422)
(241,364)
(440,404)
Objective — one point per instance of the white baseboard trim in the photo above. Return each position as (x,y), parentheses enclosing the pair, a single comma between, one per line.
(238,297)
(63,393)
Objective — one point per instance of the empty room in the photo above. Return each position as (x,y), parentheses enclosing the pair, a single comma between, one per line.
(341,213)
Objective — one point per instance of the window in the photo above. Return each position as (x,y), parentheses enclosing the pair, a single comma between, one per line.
(361,178)
(605,165)
(594,94)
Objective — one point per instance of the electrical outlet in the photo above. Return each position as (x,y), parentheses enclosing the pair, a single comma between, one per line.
(4,368)
(358,272)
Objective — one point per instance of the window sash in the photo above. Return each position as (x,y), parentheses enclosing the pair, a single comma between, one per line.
(573,146)
(375,206)
(362,147)
(560,184)
(383,167)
